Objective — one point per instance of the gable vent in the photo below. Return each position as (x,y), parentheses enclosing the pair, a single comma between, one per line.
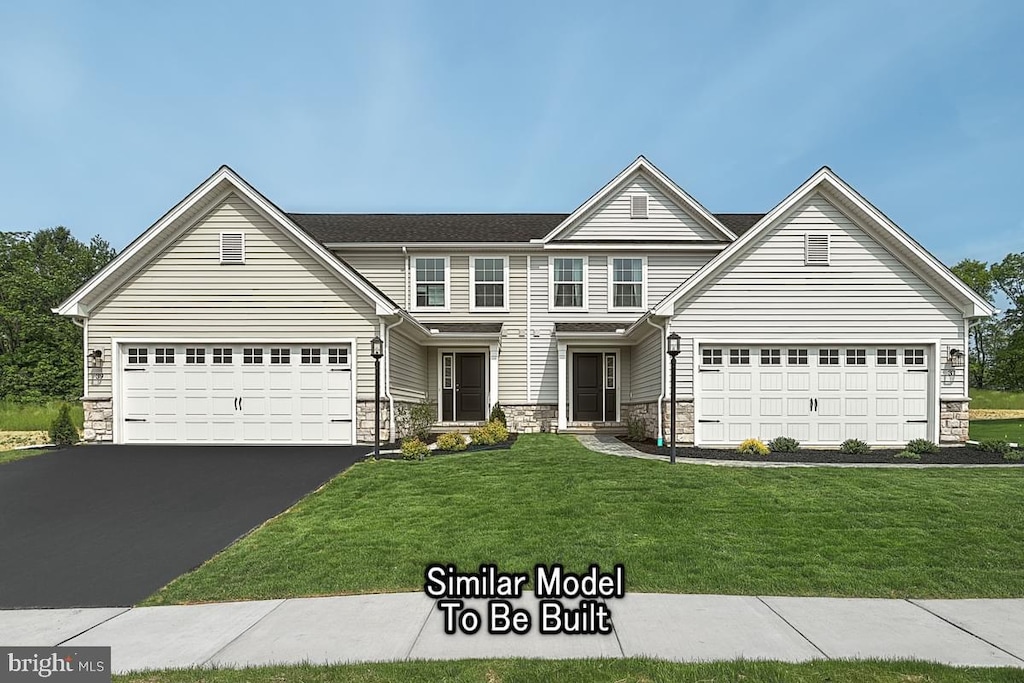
(638,206)
(816,250)
(232,247)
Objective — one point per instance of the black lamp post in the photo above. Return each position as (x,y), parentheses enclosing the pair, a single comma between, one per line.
(673,351)
(377,351)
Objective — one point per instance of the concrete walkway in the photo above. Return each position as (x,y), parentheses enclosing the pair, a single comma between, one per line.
(406,626)
(605,443)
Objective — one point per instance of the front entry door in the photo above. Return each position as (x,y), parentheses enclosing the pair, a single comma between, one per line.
(469,386)
(587,403)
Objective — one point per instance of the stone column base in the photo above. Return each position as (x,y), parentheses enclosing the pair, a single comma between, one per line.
(954,422)
(99,419)
(647,413)
(529,419)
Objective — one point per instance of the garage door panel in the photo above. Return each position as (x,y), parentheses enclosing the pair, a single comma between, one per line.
(887,432)
(223,406)
(856,407)
(280,405)
(801,431)
(254,380)
(197,431)
(830,381)
(339,382)
(136,379)
(915,407)
(771,406)
(714,406)
(915,381)
(223,379)
(739,406)
(311,381)
(254,430)
(739,381)
(914,430)
(798,381)
(771,381)
(193,380)
(830,432)
(712,381)
(829,406)
(339,407)
(857,430)
(280,380)
(887,381)
(856,381)
(798,407)
(312,431)
(713,432)
(197,406)
(165,406)
(740,431)
(338,432)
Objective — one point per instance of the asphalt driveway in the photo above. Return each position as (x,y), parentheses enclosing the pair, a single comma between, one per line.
(109,525)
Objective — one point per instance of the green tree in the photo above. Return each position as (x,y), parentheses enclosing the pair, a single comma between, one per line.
(1007,370)
(41,353)
(985,334)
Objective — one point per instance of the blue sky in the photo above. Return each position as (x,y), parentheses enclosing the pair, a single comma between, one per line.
(110,112)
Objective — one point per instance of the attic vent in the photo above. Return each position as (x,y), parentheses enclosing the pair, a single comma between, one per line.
(816,250)
(638,206)
(232,247)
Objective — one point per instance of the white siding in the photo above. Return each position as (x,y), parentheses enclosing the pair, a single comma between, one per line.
(866,294)
(385,269)
(668,270)
(281,292)
(408,369)
(646,370)
(666,221)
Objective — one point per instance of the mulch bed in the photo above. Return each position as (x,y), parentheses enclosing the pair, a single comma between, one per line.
(472,448)
(960,455)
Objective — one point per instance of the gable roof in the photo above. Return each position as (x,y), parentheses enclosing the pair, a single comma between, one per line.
(223,181)
(826,180)
(675,193)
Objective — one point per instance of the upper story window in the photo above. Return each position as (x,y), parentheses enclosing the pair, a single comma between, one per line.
(431,282)
(627,283)
(567,283)
(489,279)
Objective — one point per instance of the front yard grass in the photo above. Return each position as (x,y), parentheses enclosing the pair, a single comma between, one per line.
(1003,430)
(933,533)
(602,670)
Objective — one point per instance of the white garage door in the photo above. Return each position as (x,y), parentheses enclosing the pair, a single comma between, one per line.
(245,393)
(815,394)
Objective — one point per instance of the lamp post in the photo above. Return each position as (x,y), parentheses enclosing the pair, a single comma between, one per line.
(377,351)
(673,351)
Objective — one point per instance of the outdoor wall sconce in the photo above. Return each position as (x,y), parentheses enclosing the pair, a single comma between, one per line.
(956,358)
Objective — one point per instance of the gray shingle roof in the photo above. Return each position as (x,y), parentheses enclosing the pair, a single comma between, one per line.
(478,328)
(452,227)
(590,327)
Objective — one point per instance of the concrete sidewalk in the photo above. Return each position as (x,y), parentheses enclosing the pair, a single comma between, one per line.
(403,626)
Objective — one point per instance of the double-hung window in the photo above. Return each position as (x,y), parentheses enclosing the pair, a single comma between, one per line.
(489,275)
(431,282)
(567,283)
(627,283)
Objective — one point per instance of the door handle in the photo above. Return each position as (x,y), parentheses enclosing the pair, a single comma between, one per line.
(815,405)
(810,406)
(239,402)
(236,403)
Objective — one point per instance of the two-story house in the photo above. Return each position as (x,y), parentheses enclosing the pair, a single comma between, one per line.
(232,321)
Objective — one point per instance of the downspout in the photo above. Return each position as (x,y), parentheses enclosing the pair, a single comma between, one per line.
(529,328)
(386,335)
(661,396)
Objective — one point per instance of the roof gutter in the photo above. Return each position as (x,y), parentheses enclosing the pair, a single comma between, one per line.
(661,396)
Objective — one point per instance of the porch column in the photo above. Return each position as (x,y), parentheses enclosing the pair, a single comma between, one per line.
(563,395)
(492,397)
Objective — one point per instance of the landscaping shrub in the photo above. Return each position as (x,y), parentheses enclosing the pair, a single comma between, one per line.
(922,446)
(414,449)
(498,415)
(418,418)
(635,429)
(995,446)
(490,434)
(907,455)
(854,447)
(753,447)
(784,444)
(451,441)
(1014,456)
(62,429)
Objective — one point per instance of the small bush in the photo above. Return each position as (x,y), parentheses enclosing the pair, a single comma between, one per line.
(1014,456)
(753,447)
(498,415)
(995,446)
(414,449)
(784,444)
(416,419)
(62,429)
(490,434)
(854,447)
(635,429)
(907,455)
(451,441)
(922,446)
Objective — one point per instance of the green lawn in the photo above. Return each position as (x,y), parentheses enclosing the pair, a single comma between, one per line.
(1003,430)
(31,417)
(684,529)
(604,670)
(986,399)
(11,456)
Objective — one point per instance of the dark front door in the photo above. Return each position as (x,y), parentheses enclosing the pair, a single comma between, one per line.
(587,404)
(469,386)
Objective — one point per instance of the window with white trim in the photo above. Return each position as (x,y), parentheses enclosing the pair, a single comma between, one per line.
(796,357)
(310,356)
(913,356)
(817,250)
(138,355)
(739,356)
(771,356)
(222,356)
(431,282)
(609,371)
(638,206)
(196,356)
(856,357)
(252,356)
(828,356)
(163,356)
(489,275)
(711,356)
(280,356)
(337,356)
(232,247)
(567,280)
(886,357)
(627,283)
(447,371)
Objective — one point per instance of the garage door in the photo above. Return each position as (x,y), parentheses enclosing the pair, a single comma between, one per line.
(818,395)
(246,393)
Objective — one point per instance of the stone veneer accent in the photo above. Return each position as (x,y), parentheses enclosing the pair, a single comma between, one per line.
(648,414)
(954,421)
(99,419)
(528,419)
(364,421)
